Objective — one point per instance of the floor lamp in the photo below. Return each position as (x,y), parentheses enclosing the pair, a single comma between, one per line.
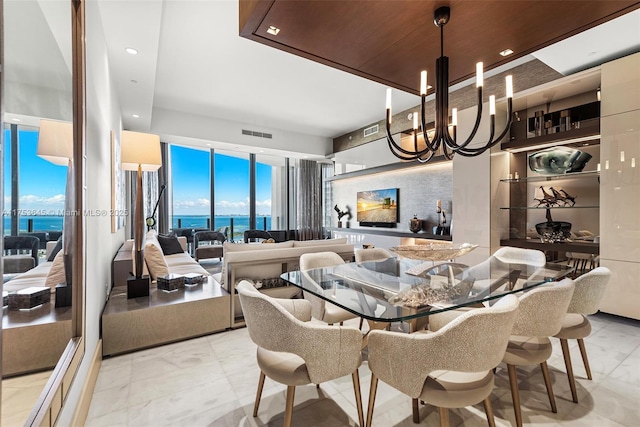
(139,152)
(55,144)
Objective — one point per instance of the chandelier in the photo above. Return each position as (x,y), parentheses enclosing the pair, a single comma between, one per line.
(444,135)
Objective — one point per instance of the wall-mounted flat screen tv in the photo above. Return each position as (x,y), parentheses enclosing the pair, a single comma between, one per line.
(378,208)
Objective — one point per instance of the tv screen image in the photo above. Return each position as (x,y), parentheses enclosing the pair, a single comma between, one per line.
(378,207)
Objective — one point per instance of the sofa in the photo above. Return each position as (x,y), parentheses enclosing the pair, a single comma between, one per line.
(263,263)
(167,255)
(47,273)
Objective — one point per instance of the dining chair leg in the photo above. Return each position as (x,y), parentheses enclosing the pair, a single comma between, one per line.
(356,388)
(547,382)
(415,410)
(585,360)
(567,363)
(288,410)
(515,394)
(444,416)
(258,394)
(488,409)
(372,398)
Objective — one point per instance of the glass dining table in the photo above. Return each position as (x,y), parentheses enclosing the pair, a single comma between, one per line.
(401,289)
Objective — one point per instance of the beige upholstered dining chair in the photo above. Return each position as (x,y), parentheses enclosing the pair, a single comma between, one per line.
(540,316)
(589,290)
(329,313)
(294,351)
(451,368)
(373,254)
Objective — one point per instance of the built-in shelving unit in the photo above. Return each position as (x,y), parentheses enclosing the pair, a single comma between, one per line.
(523,209)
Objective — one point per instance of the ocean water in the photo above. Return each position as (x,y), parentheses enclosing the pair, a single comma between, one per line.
(240,223)
(40,223)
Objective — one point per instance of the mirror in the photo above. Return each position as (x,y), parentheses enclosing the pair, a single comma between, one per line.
(38,68)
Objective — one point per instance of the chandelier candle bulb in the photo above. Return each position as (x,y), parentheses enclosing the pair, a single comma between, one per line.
(598,167)
(622,156)
(389,99)
(423,83)
(479,74)
(509,82)
(492,105)
(454,117)
(415,120)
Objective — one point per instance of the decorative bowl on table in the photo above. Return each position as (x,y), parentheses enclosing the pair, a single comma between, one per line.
(553,231)
(433,251)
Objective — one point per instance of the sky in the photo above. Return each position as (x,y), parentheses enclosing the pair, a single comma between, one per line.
(190,174)
(42,184)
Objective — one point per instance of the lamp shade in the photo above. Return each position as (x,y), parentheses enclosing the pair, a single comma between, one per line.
(55,141)
(142,149)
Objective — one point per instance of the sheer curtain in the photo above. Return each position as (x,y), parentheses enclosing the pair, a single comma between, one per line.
(308,200)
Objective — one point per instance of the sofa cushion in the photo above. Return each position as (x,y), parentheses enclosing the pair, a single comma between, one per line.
(307,243)
(56,274)
(169,244)
(243,247)
(154,257)
(236,247)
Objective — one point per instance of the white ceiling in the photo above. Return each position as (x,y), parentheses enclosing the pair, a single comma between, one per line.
(196,82)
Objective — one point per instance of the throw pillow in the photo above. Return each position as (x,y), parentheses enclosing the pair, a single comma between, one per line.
(154,258)
(56,274)
(169,244)
(55,250)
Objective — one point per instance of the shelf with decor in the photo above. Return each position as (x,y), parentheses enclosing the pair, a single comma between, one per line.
(542,178)
(550,207)
(553,185)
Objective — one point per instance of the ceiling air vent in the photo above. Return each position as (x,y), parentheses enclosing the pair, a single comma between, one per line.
(371,130)
(258,134)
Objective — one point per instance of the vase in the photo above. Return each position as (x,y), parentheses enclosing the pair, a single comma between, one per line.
(415,225)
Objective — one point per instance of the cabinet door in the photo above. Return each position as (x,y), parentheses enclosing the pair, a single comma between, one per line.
(623,291)
(620,187)
(620,85)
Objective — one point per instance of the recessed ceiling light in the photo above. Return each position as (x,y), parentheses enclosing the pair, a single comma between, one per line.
(16,119)
(131,51)
(273,30)
(208,145)
(506,52)
(135,116)
(134,81)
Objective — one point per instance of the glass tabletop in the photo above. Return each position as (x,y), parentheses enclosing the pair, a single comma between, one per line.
(402,289)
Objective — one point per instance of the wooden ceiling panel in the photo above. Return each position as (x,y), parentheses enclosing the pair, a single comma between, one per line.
(391,41)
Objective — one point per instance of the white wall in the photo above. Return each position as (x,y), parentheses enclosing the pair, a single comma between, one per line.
(103,116)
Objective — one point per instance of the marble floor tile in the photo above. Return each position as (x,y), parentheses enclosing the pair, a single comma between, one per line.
(212,381)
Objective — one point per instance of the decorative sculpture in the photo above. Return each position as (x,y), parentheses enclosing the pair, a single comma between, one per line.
(342,214)
(558,160)
(557,198)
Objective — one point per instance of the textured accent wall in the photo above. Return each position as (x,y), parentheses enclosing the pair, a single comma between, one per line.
(420,188)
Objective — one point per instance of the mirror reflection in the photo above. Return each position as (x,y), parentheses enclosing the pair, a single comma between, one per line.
(37,85)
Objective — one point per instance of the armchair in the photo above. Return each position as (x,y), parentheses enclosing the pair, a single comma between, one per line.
(213,249)
(294,351)
(451,368)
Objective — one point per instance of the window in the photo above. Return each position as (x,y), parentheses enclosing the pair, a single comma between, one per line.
(231,177)
(41,185)
(190,179)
